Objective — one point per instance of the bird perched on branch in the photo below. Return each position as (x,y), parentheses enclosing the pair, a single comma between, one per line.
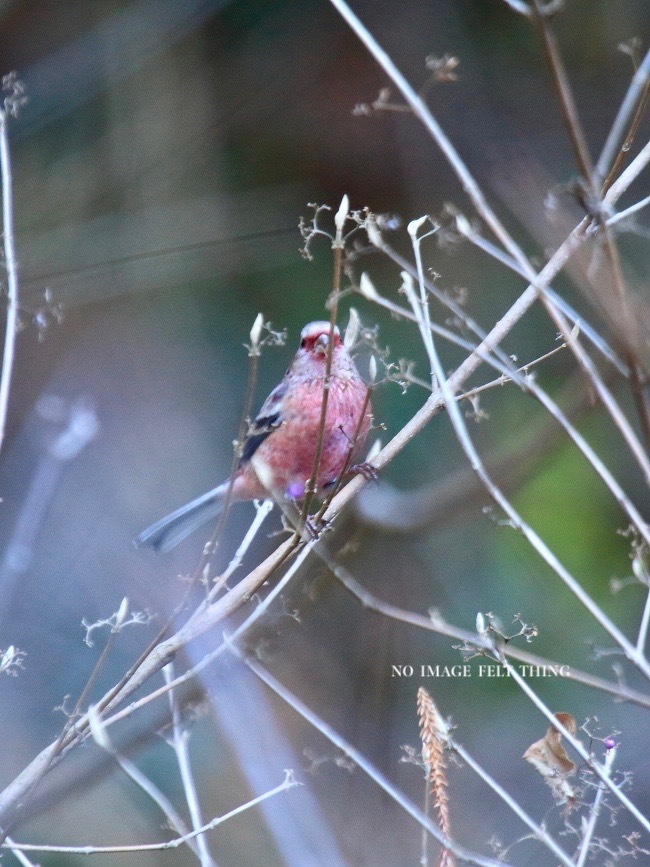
(279,453)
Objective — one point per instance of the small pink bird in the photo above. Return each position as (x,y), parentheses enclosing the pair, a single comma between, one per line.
(278,455)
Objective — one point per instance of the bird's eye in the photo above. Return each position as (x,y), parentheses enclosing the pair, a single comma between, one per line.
(303,343)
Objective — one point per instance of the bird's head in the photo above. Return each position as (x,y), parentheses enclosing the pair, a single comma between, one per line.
(315,338)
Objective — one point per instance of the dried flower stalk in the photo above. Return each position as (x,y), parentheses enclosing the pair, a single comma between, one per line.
(432,732)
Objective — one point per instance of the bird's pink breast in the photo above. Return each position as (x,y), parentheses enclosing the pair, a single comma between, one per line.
(288,454)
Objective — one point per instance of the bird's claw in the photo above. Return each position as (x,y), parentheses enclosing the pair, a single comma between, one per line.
(315,528)
(366,470)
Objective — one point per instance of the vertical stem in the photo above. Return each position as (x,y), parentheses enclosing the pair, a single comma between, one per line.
(594,813)
(564,96)
(643,628)
(179,740)
(12,276)
(583,159)
(310,490)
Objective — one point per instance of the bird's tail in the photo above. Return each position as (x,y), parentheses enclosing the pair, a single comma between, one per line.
(166,533)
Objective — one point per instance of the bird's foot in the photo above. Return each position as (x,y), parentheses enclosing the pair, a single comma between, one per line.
(315,528)
(366,470)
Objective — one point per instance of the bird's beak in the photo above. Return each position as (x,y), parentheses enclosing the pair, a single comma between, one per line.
(321,343)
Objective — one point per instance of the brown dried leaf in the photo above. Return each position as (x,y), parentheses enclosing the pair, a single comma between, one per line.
(549,758)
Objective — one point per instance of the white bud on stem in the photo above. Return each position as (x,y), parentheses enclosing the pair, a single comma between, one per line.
(463,225)
(407,288)
(373,233)
(120,617)
(97,728)
(352,329)
(366,288)
(340,218)
(256,331)
(415,225)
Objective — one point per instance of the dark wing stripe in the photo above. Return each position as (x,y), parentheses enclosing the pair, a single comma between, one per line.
(263,426)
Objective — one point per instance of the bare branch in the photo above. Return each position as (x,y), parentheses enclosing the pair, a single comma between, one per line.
(12,273)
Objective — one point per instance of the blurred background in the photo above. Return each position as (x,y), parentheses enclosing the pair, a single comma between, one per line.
(160,169)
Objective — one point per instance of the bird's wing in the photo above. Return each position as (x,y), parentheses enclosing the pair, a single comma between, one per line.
(268,419)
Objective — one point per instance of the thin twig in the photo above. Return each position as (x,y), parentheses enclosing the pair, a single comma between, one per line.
(460,428)
(154,658)
(254,352)
(20,856)
(537,281)
(359,759)
(336,487)
(595,766)
(444,299)
(333,301)
(594,812)
(179,743)
(368,600)
(571,314)
(519,6)
(528,384)
(623,215)
(434,623)
(288,783)
(627,177)
(619,131)
(539,831)
(74,715)
(237,635)
(627,325)
(262,510)
(100,735)
(642,637)
(12,274)
(564,95)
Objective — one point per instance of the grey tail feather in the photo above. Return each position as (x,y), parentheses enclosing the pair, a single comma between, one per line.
(166,533)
